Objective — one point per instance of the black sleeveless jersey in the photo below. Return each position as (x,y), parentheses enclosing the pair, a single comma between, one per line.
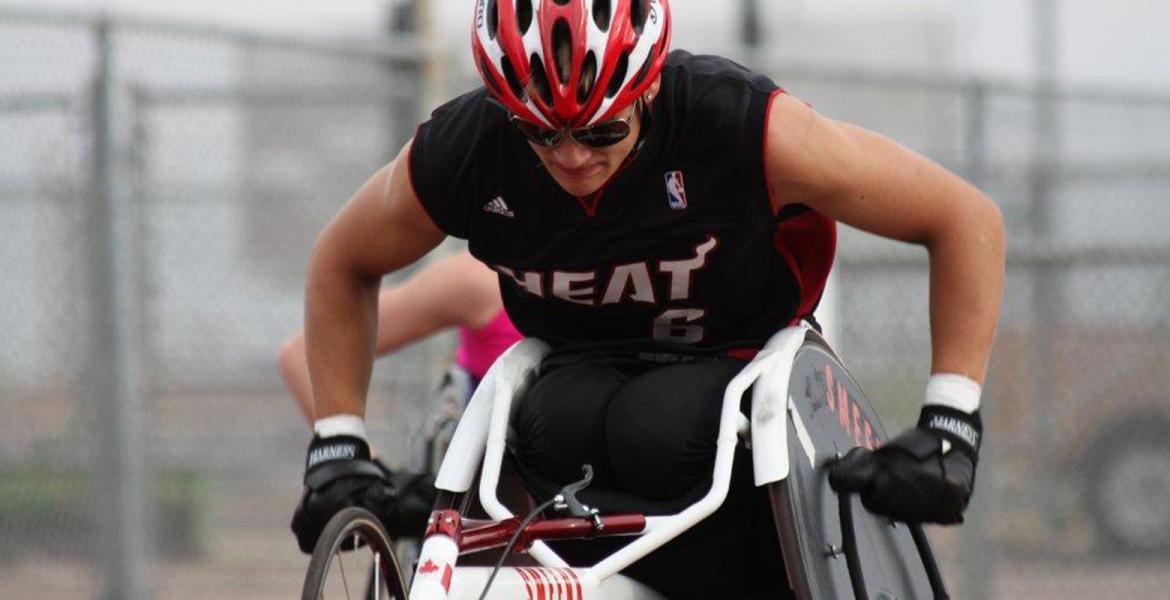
(680,245)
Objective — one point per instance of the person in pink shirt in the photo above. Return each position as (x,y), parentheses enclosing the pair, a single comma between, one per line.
(454,291)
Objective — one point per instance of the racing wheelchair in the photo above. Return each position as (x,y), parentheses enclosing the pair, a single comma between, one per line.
(806,411)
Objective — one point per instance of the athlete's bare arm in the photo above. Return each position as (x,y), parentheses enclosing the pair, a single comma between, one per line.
(869,182)
(453,291)
(380,230)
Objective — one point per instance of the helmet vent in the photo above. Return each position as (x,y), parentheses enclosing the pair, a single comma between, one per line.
(513,80)
(643,71)
(540,79)
(524,15)
(562,42)
(588,78)
(493,19)
(639,11)
(601,14)
(560,2)
(491,81)
(619,76)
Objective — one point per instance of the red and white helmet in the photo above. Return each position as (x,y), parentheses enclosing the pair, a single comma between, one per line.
(569,63)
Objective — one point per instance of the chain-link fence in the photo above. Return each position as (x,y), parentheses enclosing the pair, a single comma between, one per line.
(160,187)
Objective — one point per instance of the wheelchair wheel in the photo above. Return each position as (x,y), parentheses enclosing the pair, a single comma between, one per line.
(830,541)
(354,558)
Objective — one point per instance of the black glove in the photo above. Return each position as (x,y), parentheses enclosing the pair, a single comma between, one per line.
(338,474)
(925,475)
(407,516)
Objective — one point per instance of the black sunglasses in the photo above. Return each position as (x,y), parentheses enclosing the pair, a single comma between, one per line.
(600,135)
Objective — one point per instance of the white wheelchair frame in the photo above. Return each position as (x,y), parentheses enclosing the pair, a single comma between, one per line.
(478,448)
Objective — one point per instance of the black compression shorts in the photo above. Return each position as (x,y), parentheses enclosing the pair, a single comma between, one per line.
(649,430)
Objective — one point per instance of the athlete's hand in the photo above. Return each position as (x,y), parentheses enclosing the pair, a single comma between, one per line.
(338,474)
(925,475)
(406,516)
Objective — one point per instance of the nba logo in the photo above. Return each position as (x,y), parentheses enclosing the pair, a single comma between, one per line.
(676,192)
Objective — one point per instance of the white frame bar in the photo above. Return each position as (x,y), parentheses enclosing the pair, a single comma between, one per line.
(482,434)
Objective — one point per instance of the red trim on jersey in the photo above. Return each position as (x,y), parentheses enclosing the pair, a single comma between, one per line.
(808,243)
(772,203)
(590,205)
(744,354)
(410,179)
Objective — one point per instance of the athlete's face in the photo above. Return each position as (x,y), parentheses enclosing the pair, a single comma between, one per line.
(581,170)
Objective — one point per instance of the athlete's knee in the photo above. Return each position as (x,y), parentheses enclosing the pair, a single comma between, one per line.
(575,392)
(662,428)
(560,423)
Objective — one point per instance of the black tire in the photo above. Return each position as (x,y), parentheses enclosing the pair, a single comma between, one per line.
(1129,489)
(343,527)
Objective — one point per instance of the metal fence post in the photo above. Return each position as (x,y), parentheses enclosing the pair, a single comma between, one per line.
(407,20)
(975,133)
(1047,278)
(114,364)
(749,24)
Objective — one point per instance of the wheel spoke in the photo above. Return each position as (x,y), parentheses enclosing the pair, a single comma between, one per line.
(341,565)
(377,575)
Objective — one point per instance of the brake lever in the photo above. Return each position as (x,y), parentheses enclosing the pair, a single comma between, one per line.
(566,500)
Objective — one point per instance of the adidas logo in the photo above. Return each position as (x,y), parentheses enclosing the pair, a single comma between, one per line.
(498,206)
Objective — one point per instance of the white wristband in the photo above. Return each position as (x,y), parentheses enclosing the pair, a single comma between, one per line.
(351,425)
(953,391)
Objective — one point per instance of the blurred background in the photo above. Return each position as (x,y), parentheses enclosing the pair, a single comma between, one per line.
(165,166)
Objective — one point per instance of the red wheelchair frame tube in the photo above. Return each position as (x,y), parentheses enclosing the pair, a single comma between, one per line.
(472,535)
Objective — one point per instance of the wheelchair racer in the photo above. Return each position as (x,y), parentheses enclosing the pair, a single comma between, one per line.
(655,216)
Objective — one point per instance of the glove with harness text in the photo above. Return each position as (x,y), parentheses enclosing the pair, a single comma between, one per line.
(339,473)
(925,475)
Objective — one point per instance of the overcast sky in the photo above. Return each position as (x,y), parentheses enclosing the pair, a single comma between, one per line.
(1114,42)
